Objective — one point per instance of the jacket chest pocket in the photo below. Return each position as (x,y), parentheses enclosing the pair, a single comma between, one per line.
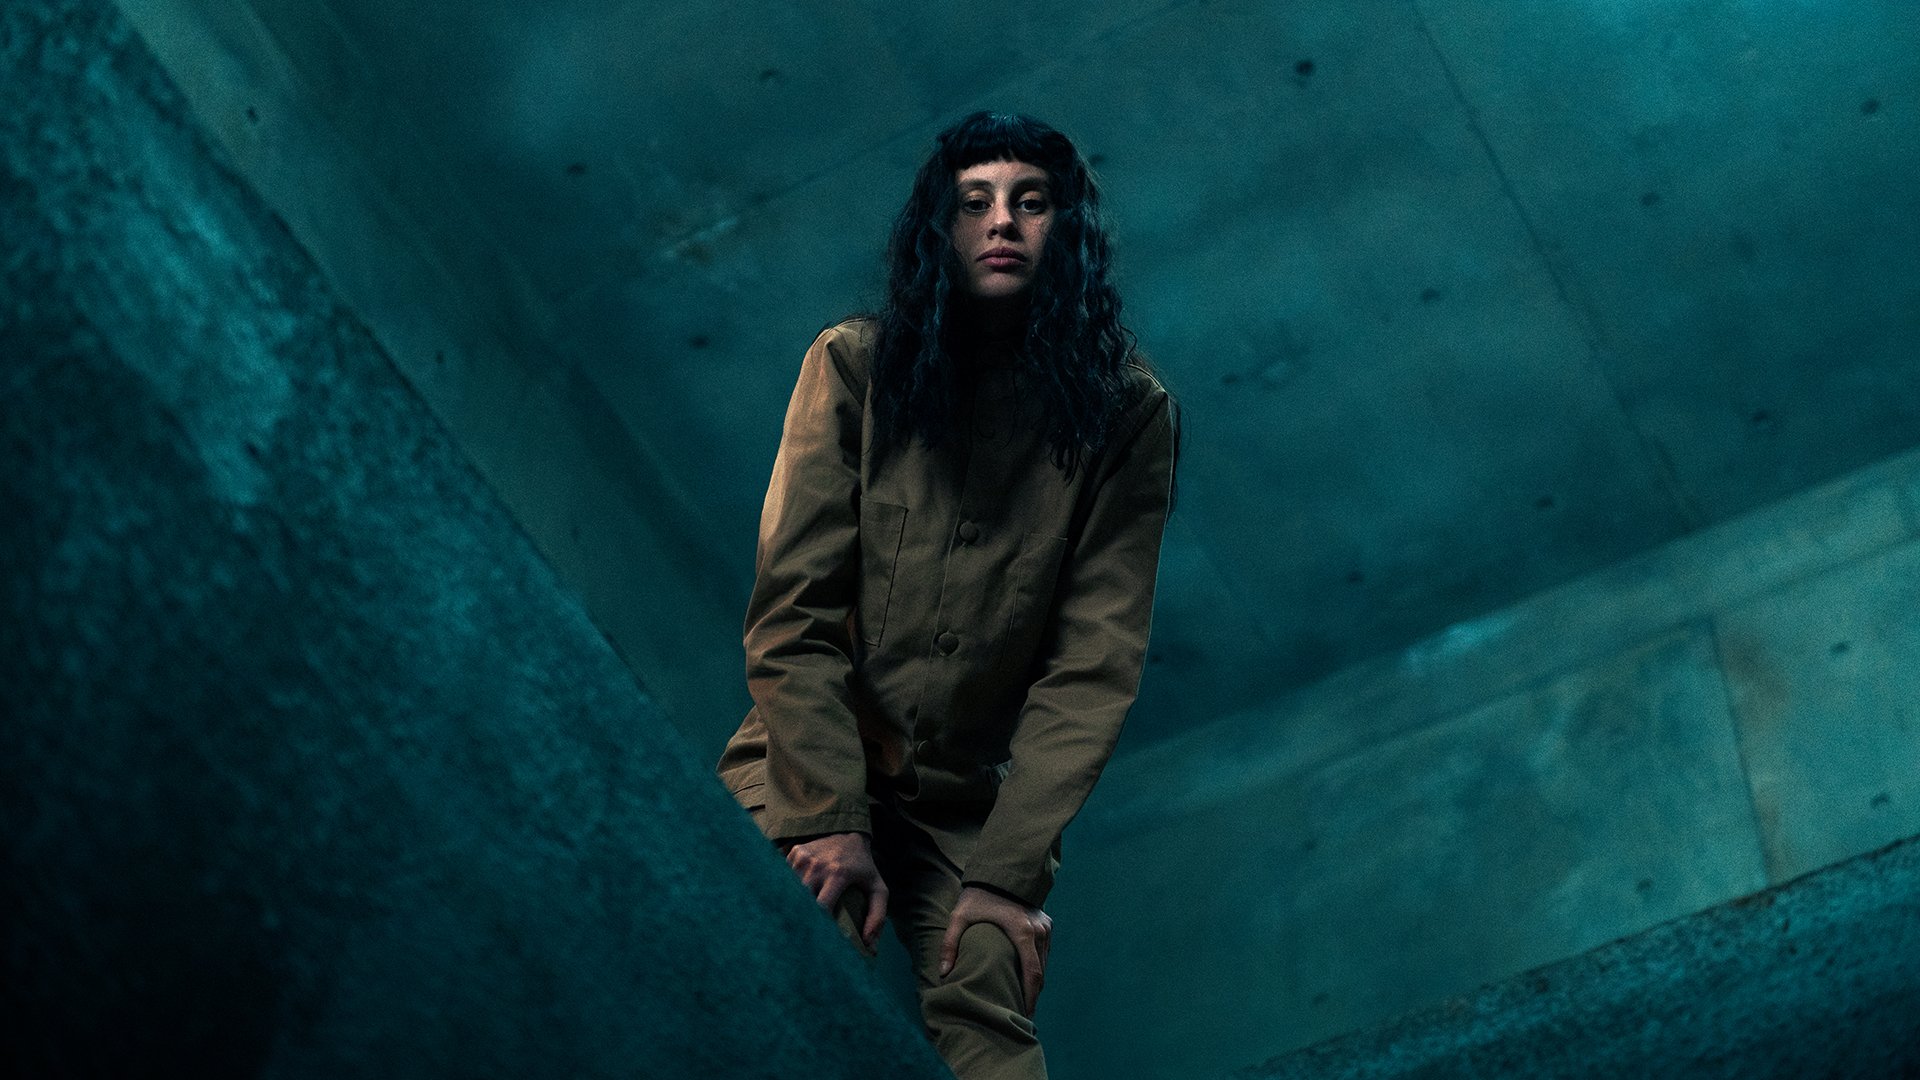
(1035,578)
(882,525)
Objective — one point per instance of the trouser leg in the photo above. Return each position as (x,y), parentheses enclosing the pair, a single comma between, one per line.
(974,1015)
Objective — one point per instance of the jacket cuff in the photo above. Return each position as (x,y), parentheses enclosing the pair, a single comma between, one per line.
(1028,885)
(778,827)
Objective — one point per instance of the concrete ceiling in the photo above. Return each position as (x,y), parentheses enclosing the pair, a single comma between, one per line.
(1463,298)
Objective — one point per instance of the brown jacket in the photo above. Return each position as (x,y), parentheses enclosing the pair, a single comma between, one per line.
(960,630)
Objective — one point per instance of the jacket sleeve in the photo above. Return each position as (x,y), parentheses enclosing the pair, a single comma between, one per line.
(806,577)
(1073,712)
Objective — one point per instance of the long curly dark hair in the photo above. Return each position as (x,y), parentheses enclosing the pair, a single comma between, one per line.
(1075,342)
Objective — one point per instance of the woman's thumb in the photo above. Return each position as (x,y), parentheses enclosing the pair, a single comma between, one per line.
(949,947)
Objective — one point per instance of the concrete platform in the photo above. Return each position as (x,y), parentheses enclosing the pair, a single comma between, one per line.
(1817,977)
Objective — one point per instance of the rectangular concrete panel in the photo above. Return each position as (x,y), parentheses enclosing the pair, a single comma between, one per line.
(1825,676)
(1726,190)
(1532,828)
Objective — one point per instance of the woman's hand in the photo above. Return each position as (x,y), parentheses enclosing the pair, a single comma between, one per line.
(830,865)
(1029,928)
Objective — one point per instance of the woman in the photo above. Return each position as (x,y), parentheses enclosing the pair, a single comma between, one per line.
(954,581)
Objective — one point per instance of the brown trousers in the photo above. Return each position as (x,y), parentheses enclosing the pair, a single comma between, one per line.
(973,1015)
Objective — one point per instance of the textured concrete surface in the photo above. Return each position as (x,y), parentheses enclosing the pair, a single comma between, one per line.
(391,223)
(1524,831)
(1466,300)
(1670,733)
(1704,578)
(1820,977)
(1742,157)
(312,766)
(1824,683)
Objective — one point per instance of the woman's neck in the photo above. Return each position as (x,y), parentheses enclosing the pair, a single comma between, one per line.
(995,318)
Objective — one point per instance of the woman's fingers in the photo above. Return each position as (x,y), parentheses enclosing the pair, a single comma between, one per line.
(1029,929)
(1032,970)
(828,893)
(876,909)
(950,945)
(831,865)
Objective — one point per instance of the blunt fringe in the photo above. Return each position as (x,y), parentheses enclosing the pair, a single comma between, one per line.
(1075,343)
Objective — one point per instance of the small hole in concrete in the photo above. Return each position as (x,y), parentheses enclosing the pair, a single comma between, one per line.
(577,169)
(1230,378)
(1651,198)
(252,116)
(1880,800)
(1303,69)
(1355,577)
(698,341)
(1430,295)
(1870,106)
(1544,502)
(1761,416)
(1841,648)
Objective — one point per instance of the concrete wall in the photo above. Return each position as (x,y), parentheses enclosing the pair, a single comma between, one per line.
(1681,729)
(312,766)
(1465,299)
(306,114)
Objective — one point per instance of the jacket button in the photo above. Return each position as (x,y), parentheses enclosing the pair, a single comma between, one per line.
(947,642)
(969,532)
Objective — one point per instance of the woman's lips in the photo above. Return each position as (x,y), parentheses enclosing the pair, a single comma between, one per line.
(1003,262)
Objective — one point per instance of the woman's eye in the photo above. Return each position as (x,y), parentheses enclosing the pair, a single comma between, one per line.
(1033,206)
(975,206)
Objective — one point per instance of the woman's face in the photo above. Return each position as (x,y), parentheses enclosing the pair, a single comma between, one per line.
(1000,225)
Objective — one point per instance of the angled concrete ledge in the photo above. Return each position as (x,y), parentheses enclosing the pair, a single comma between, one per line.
(1816,977)
(1852,519)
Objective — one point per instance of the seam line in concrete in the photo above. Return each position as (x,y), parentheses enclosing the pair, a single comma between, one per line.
(1235,595)
(1655,454)
(1769,865)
